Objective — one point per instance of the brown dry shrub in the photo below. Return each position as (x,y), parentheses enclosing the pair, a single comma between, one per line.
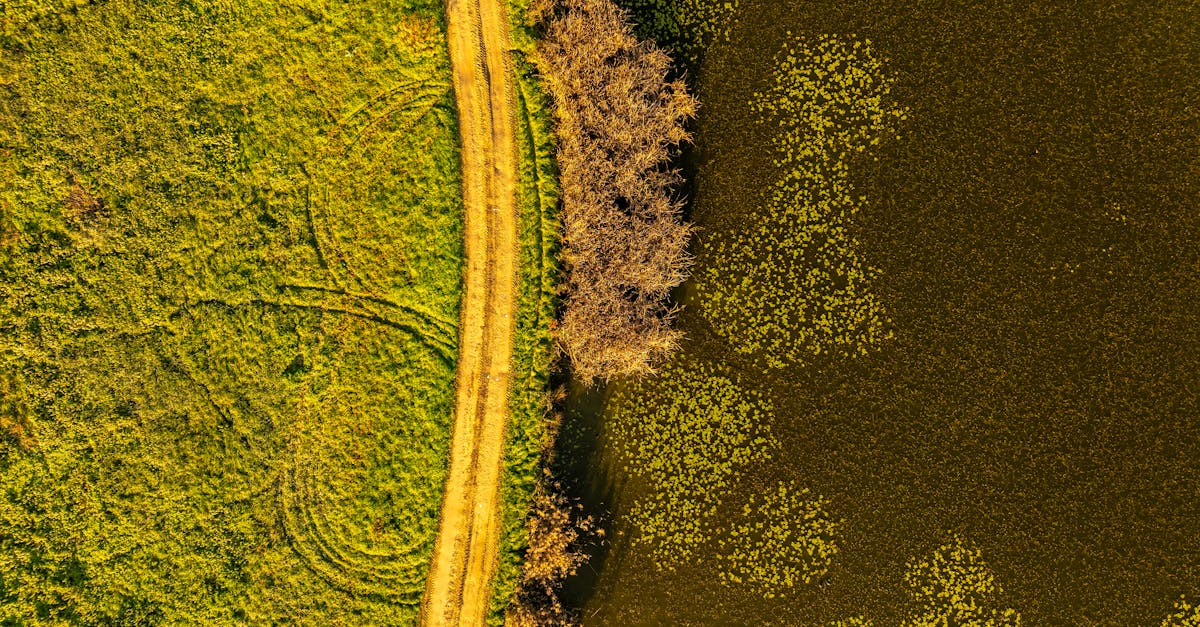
(620,122)
(556,530)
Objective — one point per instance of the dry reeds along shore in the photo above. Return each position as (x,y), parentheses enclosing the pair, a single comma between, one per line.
(620,121)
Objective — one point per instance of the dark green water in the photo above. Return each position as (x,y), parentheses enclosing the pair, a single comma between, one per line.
(1037,229)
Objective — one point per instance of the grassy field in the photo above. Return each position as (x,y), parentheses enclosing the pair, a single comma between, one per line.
(230,257)
(945,276)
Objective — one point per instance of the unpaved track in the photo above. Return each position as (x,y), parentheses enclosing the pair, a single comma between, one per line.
(465,556)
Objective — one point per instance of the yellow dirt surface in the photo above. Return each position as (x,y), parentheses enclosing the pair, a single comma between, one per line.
(465,556)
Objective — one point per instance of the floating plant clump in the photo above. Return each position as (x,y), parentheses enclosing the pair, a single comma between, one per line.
(794,285)
(955,586)
(786,538)
(689,433)
(1186,614)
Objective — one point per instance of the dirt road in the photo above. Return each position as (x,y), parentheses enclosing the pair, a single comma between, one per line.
(465,557)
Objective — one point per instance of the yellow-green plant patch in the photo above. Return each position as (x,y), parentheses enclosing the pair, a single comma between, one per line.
(794,285)
(785,538)
(689,433)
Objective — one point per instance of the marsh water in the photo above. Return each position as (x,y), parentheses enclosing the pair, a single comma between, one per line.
(1037,232)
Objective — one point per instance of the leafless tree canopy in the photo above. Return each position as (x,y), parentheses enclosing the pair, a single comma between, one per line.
(555,532)
(620,120)
(558,530)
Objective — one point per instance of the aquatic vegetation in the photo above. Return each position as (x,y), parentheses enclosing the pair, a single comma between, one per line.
(785,538)
(1010,168)
(686,26)
(793,285)
(954,586)
(854,621)
(1186,614)
(689,433)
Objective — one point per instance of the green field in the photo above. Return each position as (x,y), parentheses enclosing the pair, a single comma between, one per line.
(230,261)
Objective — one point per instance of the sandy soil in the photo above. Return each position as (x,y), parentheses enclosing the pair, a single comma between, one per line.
(465,557)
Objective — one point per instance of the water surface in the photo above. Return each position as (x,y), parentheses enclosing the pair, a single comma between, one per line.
(1037,229)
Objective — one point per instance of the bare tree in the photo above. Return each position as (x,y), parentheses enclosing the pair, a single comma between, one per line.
(620,121)
(558,530)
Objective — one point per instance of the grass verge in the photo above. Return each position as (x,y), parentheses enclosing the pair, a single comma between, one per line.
(536,309)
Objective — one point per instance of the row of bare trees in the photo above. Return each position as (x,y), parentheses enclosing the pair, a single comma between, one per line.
(620,120)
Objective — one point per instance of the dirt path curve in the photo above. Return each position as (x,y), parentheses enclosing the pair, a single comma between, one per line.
(465,556)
